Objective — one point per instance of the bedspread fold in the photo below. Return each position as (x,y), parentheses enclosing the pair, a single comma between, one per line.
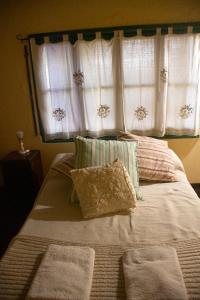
(21,261)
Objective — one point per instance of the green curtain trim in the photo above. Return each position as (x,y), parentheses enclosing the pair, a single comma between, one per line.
(73,138)
(115,138)
(108,33)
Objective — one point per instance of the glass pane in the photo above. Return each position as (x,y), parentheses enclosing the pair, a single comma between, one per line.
(93,99)
(180,58)
(56,66)
(58,113)
(139,61)
(181,106)
(139,108)
(182,94)
(96,63)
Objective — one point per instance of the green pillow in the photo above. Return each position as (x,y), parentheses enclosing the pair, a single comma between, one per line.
(94,152)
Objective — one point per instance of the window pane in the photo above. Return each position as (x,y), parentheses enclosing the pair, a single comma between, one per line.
(133,99)
(139,76)
(178,97)
(94,121)
(96,63)
(139,61)
(54,59)
(58,100)
(65,121)
(182,93)
(180,59)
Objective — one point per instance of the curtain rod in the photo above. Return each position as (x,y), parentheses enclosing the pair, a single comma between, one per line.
(20,37)
(179,27)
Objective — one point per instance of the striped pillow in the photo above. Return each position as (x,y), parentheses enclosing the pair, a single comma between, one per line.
(63,167)
(94,152)
(155,161)
(127,136)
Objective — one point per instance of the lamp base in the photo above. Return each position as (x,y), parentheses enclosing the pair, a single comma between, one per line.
(24,152)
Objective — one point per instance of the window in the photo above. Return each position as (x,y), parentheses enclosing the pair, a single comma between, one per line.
(97,90)
(140,63)
(145,84)
(183,58)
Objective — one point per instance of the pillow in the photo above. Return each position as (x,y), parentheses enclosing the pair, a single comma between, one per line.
(155,161)
(177,162)
(127,136)
(104,189)
(94,152)
(63,167)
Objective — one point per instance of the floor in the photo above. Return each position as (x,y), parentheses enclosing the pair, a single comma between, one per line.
(13,213)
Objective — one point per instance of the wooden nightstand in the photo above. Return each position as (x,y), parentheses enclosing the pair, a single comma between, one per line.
(23,177)
(22,174)
(196,187)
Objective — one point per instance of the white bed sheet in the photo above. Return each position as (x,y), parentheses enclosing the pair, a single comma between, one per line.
(170,211)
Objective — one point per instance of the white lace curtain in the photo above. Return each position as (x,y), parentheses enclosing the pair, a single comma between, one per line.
(147,85)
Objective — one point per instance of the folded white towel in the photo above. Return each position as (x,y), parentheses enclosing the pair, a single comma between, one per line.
(153,273)
(65,272)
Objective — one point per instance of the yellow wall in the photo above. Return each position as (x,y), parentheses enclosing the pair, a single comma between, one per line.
(31,16)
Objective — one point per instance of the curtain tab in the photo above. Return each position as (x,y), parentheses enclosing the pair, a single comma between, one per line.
(33,41)
(98,35)
(158,30)
(65,37)
(80,36)
(46,39)
(121,33)
(139,31)
(190,29)
(170,30)
(118,33)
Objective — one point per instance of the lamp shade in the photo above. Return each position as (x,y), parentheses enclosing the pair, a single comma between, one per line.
(20,134)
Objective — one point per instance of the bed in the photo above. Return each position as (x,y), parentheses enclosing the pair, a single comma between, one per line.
(169,215)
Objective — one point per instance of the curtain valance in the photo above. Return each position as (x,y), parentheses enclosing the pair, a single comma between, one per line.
(108,33)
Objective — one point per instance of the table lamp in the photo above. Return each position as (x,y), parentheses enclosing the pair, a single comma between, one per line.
(20,136)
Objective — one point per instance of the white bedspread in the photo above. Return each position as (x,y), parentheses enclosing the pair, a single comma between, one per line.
(170,211)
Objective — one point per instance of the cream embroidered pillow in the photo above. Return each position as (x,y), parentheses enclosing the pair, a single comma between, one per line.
(104,189)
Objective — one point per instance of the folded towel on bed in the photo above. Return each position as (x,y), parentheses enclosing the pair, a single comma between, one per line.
(65,272)
(153,273)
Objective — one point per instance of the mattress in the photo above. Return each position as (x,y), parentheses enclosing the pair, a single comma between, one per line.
(168,215)
(169,212)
